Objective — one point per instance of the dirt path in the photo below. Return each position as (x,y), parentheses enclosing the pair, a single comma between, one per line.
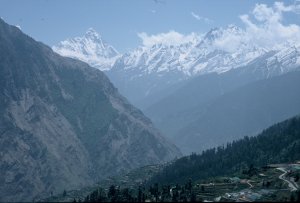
(248,182)
(292,185)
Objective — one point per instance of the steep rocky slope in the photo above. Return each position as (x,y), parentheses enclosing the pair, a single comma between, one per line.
(63,124)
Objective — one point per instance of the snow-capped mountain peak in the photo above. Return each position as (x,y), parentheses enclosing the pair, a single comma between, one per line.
(148,69)
(219,50)
(92,33)
(89,48)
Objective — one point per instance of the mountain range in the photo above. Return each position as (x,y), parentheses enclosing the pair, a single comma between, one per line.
(80,114)
(141,74)
(205,92)
(63,124)
(200,105)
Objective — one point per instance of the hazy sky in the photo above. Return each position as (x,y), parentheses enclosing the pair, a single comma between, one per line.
(120,21)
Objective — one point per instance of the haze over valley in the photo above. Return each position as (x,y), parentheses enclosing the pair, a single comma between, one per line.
(149,101)
(201,90)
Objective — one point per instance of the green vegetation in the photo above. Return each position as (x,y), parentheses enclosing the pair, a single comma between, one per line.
(251,169)
(239,171)
(277,144)
(253,184)
(131,181)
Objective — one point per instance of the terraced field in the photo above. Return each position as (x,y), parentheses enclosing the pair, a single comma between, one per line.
(271,183)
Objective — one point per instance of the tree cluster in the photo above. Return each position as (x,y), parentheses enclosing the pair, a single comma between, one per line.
(277,144)
(154,193)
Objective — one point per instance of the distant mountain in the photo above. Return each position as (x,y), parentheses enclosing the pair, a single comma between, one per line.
(89,48)
(175,85)
(63,124)
(145,72)
(183,104)
(243,111)
(200,56)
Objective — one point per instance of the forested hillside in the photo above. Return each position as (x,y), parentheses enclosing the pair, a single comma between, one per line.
(240,168)
(277,144)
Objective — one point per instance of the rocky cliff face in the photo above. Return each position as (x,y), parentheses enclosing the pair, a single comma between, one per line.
(63,124)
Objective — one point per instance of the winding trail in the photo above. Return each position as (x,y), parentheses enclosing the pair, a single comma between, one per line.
(291,184)
(248,182)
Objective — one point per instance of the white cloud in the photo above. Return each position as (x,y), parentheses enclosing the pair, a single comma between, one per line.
(195,16)
(168,38)
(229,42)
(281,7)
(297,6)
(267,29)
(262,12)
(264,28)
(201,18)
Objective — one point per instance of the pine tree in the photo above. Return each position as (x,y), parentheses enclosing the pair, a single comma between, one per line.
(193,197)
(140,194)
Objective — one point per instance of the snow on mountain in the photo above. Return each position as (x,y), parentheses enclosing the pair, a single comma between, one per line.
(90,48)
(219,50)
(147,70)
(284,61)
(204,55)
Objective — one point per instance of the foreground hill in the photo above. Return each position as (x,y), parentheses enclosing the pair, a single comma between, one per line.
(272,183)
(63,124)
(250,169)
(278,144)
